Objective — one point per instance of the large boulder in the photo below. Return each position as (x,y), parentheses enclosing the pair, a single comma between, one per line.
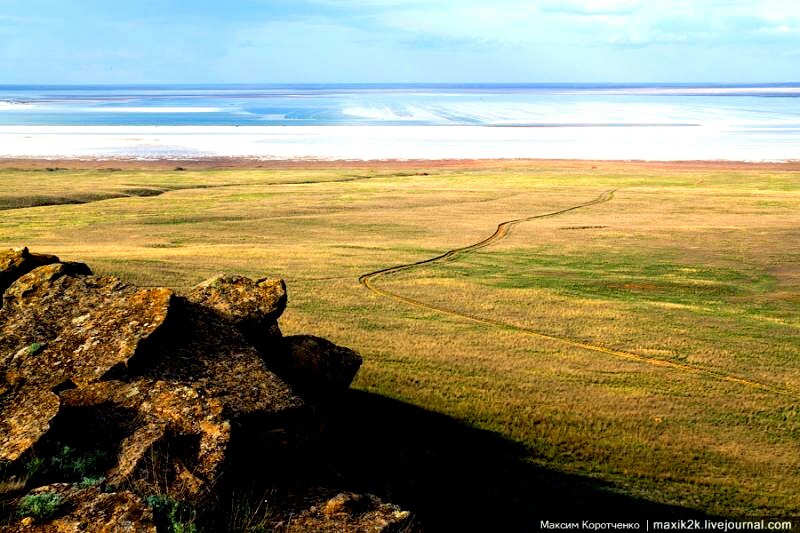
(348,511)
(17,262)
(81,352)
(240,299)
(311,364)
(76,509)
(316,365)
(120,406)
(60,330)
(253,306)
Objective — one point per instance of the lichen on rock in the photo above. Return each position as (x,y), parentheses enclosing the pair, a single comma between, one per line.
(317,365)
(88,509)
(18,262)
(252,306)
(111,395)
(348,511)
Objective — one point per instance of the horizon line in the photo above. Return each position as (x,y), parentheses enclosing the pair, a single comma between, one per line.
(413,84)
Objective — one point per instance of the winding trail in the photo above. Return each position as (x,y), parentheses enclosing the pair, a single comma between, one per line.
(368,280)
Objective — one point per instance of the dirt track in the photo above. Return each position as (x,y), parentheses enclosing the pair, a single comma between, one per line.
(503,229)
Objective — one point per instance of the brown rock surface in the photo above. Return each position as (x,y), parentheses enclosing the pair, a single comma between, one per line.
(15,263)
(201,350)
(164,410)
(25,415)
(58,329)
(350,512)
(110,394)
(240,299)
(184,371)
(252,306)
(90,510)
(317,365)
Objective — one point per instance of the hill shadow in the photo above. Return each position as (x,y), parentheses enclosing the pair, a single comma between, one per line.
(457,478)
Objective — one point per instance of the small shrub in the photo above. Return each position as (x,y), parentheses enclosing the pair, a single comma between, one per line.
(251,514)
(35,348)
(33,467)
(88,482)
(72,463)
(171,516)
(41,505)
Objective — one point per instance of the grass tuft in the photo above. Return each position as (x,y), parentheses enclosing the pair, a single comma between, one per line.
(43,505)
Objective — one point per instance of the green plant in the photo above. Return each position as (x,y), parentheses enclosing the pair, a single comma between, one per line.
(171,516)
(250,513)
(41,505)
(35,348)
(88,482)
(33,467)
(74,463)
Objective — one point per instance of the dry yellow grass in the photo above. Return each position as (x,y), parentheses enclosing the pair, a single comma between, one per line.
(695,270)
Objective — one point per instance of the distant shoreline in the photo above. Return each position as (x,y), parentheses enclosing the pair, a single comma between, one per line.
(57,164)
(393,142)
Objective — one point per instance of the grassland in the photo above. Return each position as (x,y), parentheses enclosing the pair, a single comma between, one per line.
(649,343)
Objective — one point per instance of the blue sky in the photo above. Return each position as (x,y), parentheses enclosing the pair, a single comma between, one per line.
(348,41)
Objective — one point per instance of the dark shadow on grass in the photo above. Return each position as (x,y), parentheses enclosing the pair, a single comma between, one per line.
(456,478)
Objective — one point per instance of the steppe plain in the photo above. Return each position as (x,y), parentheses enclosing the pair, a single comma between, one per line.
(634,333)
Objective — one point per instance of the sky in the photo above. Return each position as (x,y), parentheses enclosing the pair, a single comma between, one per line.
(398,41)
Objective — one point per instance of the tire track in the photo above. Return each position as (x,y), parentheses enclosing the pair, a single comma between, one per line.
(500,233)
(503,229)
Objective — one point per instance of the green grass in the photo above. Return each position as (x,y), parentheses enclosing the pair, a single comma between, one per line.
(43,505)
(171,516)
(696,266)
(618,277)
(35,348)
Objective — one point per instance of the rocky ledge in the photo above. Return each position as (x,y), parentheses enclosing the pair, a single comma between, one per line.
(139,409)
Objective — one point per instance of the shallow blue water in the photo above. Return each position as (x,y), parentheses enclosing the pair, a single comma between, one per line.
(759,109)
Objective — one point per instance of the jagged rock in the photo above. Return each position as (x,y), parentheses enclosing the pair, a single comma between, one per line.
(59,330)
(25,415)
(203,351)
(89,341)
(89,510)
(240,299)
(317,365)
(252,306)
(351,513)
(163,410)
(57,327)
(15,263)
(177,392)
(227,394)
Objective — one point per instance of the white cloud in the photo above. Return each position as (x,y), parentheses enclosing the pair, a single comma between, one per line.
(411,40)
(588,22)
(590,7)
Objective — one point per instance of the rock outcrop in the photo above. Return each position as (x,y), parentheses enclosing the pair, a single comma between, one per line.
(347,512)
(89,509)
(315,365)
(17,263)
(252,306)
(59,330)
(111,395)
